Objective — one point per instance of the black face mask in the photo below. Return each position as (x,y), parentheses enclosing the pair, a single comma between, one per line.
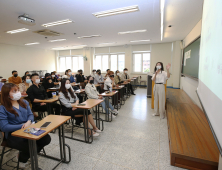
(80,73)
(15,75)
(99,73)
(111,76)
(91,81)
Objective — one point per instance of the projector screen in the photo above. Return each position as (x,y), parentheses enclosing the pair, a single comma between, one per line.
(210,67)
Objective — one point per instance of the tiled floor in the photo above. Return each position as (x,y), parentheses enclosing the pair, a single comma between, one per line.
(134,140)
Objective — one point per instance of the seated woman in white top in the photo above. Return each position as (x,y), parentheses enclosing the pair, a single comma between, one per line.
(68,100)
(109,82)
(160,77)
(26,83)
(92,93)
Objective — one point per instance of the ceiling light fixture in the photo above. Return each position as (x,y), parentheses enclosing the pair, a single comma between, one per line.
(107,43)
(90,36)
(117,11)
(17,31)
(78,46)
(72,47)
(56,40)
(66,21)
(130,32)
(139,40)
(162,4)
(32,43)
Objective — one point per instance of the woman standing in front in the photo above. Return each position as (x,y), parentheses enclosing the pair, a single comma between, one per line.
(160,77)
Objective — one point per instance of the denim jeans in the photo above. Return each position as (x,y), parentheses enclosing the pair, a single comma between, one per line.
(104,105)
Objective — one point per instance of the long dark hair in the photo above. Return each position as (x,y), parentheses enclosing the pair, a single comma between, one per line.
(6,101)
(162,69)
(63,89)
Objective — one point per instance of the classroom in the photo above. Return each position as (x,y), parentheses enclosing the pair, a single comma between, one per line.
(110,85)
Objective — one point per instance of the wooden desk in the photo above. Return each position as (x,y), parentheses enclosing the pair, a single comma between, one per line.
(56,121)
(97,85)
(52,89)
(48,103)
(89,104)
(80,91)
(110,94)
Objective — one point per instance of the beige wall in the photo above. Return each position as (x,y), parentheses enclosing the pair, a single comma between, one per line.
(187,84)
(220,163)
(24,59)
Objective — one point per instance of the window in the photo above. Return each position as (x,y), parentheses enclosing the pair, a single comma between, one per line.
(141,62)
(71,62)
(112,61)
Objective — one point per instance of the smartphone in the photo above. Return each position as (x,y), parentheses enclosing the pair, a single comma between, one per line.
(81,104)
(45,125)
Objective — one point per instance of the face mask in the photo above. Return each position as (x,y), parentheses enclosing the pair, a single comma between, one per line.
(15,75)
(94,72)
(99,73)
(53,75)
(158,67)
(118,74)
(37,81)
(91,81)
(111,76)
(17,96)
(28,81)
(68,86)
(0,80)
(70,73)
(126,71)
(80,73)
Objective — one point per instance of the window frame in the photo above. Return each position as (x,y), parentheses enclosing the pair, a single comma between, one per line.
(109,60)
(133,57)
(74,71)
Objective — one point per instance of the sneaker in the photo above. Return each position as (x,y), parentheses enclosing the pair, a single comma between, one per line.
(113,116)
(98,131)
(21,164)
(95,134)
(156,115)
(115,111)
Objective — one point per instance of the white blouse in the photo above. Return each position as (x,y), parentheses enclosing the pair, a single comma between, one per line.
(107,83)
(161,77)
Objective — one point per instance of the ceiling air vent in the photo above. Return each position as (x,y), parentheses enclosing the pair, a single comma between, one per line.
(47,32)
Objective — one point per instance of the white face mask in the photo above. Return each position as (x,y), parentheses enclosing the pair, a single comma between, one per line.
(0,80)
(37,81)
(68,86)
(17,96)
(70,73)
(53,75)
(118,74)
(126,71)
(158,67)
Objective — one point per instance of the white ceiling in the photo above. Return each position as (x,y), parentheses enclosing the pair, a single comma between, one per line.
(181,14)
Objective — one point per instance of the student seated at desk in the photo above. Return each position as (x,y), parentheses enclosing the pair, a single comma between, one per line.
(107,73)
(80,77)
(16,114)
(92,93)
(93,74)
(125,77)
(26,83)
(54,79)
(109,82)
(98,77)
(68,100)
(27,73)
(36,93)
(68,73)
(1,83)
(15,79)
(47,84)
(117,78)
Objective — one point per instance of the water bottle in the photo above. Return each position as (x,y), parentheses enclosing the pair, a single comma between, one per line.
(110,89)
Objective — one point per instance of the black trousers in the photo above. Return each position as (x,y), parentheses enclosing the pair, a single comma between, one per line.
(44,108)
(23,146)
(131,88)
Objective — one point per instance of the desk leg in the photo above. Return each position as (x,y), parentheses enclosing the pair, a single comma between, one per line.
(63,143)
(33,154)
(117,101)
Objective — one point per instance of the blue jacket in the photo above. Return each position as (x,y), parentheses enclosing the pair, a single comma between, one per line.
(10,123)
(72,79)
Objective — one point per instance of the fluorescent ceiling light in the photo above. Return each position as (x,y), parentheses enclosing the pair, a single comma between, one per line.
(32,43)
(117,11)
(66,21)
(72,47)
(130,32)
(162,3)
(57,40)
(106,43)
(17,31)
(139,40)
(90,36)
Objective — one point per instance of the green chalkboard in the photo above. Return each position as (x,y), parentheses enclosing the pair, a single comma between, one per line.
(190,65)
